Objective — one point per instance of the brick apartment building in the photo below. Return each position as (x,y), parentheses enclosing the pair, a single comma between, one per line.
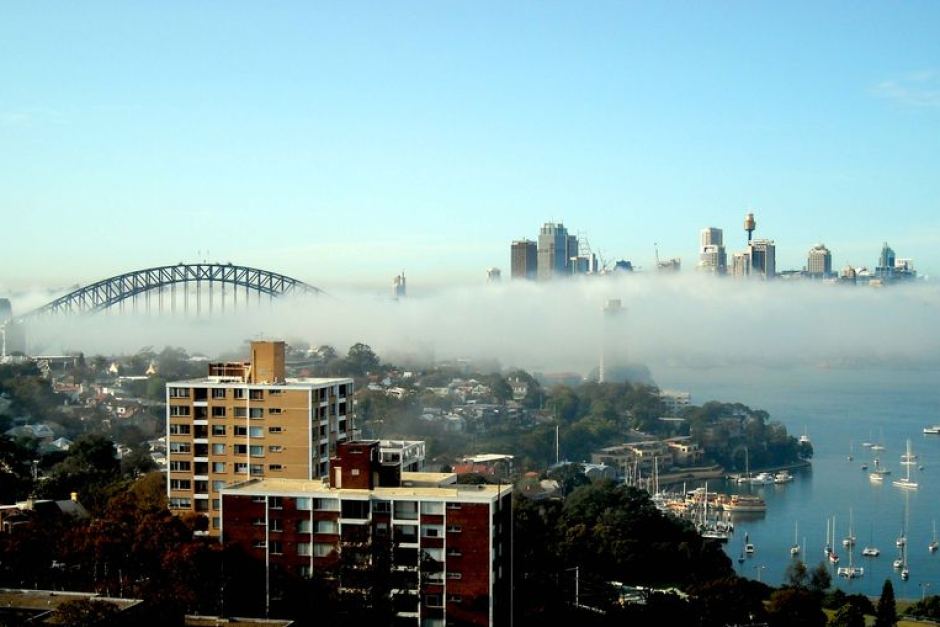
(246,420)
(449,546)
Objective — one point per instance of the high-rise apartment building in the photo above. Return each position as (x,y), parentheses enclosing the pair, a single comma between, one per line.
(819,262)
(554,244)
(524,260)
(247,420)
(447,546)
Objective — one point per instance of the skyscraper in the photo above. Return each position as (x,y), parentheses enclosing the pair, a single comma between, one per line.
(399,286)
(819,262)
(553,251)
(763,258)
(886,262)
(524,260)
(741,265)
(712,256)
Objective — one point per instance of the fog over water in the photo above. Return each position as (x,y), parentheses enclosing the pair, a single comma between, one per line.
(686,320)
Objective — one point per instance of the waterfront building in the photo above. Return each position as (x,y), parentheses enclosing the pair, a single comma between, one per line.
(553,247)
(819,262)
(245,420)
(674,401)
(448,546)
(524,260)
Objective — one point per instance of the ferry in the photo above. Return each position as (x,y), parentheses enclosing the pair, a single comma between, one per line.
(745,503)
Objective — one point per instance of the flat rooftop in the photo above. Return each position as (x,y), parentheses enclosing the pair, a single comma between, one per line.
(291,381)
(437,485)
(233,621)
(49,600)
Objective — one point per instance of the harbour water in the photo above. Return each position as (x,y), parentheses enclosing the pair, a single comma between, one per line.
(840,409)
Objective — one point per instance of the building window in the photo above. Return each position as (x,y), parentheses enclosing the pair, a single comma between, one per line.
(276,502)
(275,429)
(304,549)
(258,499)
(257,470)
(179,429)
(274,410)
(217,485)
(275,467)
(241,449)
(218,392)
(216,522)
(180,484)
(180,447)
(259,544)
(322,549)
(238,393)
(179,503)
(256,432)
(453,506)
(256,412)
(179,392)
(454,575)
(302,503)
(406,510)
(240,431)
(241,412)
(179,410)
(180,466)
(304,526)
(326,505)
(216,504)
(327,526)
(218,449)
(381,507)
(433,600)
(258,521)
(274,392)
(256,395)
(218,429)
(355,509)
(218,412)
(432,531)
(256,451)
(276,547)
(305,571)
(454,529)
(218,466)
(241,468)
(275,448)
(435,508)
(275,525)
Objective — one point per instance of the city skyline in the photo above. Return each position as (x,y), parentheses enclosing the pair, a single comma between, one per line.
(429,137)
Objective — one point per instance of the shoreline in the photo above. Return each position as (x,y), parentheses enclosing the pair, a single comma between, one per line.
(704,473)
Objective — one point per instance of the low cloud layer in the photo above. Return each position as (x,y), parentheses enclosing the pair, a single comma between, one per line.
(684,320)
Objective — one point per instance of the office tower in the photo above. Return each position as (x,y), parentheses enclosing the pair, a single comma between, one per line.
(553,251)
(493,275)
(524,261)
(399,289)
(571,251)
(447,546)
(741,265)
(886,262)
(819,262)
(712,256)
(245,420)
(763,258)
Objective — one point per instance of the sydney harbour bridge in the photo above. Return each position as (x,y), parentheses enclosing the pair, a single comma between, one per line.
(195,289)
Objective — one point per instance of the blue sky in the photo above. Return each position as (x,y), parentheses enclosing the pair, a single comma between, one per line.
(342,142)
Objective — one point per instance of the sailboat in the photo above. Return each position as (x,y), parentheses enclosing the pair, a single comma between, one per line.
(849,540)
(827,550)
(748,547)
(851,571)
(795,549)
(906,482)
(905,572)
(804,439)
(747,469)
(870,549)
(908,458)
(833,556)
(934,545)
(879,473)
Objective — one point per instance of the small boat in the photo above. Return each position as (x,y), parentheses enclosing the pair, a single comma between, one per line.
(745,503)
(833,556)
(871,551)
(783,476)
(898,564)
(905,573)
(851,571)
(762,478)
(849,540)
(932,430)
(749,548)
(864,466)
(804,439)
(901,541)
(934,545)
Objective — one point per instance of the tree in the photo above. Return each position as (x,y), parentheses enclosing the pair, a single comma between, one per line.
(795,607)
(361,359)
(85,612)
(887,614)
(848,616)
(820,579)
(796,574)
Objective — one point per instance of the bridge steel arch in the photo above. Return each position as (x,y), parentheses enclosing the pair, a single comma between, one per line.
(117,289)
